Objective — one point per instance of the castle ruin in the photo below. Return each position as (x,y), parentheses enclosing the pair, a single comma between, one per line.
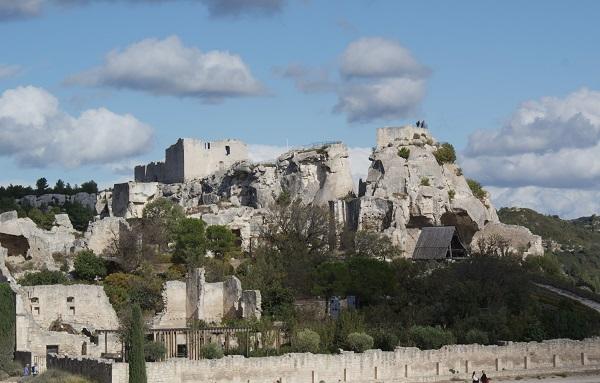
(189,158)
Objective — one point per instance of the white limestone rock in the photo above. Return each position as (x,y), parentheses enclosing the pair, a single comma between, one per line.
(417,190)
(129,199)
(102,234)
(520,239)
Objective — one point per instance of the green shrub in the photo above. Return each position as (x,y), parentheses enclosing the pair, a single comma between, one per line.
(476,189)
(404,152)
(306,340)
(424,181)
(359,341)
(477,336)
(44,277)
(88,266)
(385,340)
(430,338)
(154,351)
(79,215)
(212,351)
(445,154)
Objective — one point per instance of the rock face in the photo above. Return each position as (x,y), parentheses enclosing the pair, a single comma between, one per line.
(521,240)
(239,196)
(29,246)
(406,189)
(402,195)
(86,199)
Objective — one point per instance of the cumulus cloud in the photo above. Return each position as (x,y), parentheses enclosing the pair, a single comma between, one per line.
(376,57)
(566,203)
(379,79)
(37,133)
(167,67)
(384,99)
(19,9)
(547,156)
(9,71)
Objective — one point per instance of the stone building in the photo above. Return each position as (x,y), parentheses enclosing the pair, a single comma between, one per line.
(195,299)
(188,159)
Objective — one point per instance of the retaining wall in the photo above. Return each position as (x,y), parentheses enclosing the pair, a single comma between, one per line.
(401,365)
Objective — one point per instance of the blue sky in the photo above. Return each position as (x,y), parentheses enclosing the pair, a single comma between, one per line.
(478,65)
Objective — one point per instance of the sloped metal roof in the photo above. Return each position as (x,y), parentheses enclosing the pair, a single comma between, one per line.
(434,242)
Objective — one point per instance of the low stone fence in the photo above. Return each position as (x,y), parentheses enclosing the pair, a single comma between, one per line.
(97,370)
(402,365)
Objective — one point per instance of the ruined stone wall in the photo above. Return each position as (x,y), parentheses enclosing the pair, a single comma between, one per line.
(129,198)
(188,159)
(202,158)
(390,134)
(174,313)
(211,302)
(402,365)
(78,305)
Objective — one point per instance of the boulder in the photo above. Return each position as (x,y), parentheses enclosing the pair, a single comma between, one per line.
(520,240)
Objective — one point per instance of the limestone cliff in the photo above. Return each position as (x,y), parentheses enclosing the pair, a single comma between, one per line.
(407,189)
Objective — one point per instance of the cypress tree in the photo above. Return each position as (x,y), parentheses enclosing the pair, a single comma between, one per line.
(7,325)
(137,364)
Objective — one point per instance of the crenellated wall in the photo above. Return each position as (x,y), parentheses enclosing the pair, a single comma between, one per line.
(401,365)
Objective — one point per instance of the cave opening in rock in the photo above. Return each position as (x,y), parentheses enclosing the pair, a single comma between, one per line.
(465,226)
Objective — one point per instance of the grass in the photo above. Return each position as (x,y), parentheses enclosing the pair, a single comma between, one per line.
(57,376)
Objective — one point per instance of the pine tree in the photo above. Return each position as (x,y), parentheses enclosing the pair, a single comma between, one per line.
(137,364)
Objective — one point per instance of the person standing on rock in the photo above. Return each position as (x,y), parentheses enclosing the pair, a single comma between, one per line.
(474,377)
(484,378)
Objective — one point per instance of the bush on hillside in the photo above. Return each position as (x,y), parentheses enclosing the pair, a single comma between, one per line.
(88,266)
(44,277)
(477,336)
(404,152)
(476,189)
(359,342)
(430,338)
(306,340)
(211,351)
(445,154)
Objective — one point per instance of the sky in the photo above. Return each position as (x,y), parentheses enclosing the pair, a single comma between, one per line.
(89,88)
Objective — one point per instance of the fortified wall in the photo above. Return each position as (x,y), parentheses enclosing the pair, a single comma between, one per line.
(402,365)
(189,158)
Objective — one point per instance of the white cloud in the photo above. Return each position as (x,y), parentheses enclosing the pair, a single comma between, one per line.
(378,57)
(19,9)
(9,71)
(36,133)
(167,67)
(379,79)
(385,99)
(264,153)
(544,126)
(546,157)
(567,203)
(359,162)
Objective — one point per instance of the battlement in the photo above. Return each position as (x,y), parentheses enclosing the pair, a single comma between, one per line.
(190,158)
(390,134)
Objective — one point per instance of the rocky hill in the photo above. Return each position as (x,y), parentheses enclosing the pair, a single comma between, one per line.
(575,243)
